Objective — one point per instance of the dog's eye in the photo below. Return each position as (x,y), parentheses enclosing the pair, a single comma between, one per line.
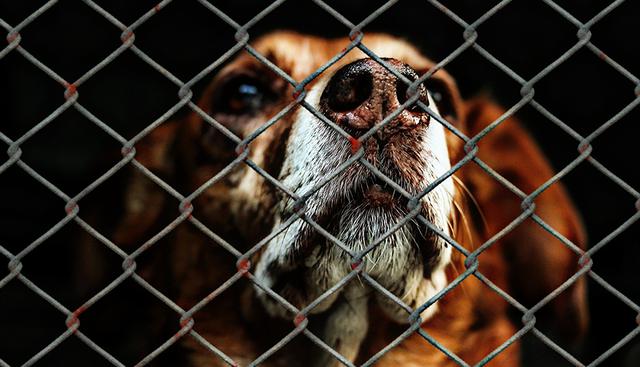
(442,97)
(242,95)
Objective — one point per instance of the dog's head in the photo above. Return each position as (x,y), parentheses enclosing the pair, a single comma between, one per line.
(354,203)
(349,160)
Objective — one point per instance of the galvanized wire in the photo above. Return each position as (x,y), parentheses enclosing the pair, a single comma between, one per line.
(469,32)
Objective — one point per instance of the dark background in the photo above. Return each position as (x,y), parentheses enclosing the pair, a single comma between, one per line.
(185,37)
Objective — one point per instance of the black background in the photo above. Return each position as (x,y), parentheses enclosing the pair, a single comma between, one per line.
(128,94)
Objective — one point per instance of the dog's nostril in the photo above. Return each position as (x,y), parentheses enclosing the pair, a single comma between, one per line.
(348,91)
(401,91)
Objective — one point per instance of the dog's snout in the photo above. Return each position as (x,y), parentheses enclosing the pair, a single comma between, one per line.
(362,93)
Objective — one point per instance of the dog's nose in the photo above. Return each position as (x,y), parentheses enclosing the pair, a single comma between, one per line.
(362,93)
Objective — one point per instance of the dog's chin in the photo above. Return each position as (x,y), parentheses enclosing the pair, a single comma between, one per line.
(407,259)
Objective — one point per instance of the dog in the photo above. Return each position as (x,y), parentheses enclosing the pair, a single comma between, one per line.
(355,205)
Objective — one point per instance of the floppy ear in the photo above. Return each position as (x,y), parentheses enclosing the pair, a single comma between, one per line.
(144,200)
(536,261)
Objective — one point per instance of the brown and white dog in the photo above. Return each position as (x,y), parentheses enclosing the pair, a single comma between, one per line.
(356,207)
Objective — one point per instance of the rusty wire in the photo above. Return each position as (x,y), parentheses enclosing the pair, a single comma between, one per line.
(355,32)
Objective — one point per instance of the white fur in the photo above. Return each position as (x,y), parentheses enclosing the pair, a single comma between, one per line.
(313,152)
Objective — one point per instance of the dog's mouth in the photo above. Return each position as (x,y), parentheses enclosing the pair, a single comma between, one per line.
(378,193)
(367,195)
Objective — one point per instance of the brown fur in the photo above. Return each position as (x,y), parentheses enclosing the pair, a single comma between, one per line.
(472,320)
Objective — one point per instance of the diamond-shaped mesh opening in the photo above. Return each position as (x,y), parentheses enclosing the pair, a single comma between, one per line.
(30,87)
(132,105)
(522,20)
(93,204)
(439,35)
(561,148)
(185,20)
(619,206)
(567,85)
(430,337)
(217,333)
(58,278)
(48,150)
(93,265)
(70,38)
(192,271)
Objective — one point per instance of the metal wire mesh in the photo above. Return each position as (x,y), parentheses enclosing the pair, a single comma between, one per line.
(185,95)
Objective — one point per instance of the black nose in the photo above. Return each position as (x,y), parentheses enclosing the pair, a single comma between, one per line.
(362,93)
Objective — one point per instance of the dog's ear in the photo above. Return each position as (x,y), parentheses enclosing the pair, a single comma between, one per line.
(537,262)
(144,200)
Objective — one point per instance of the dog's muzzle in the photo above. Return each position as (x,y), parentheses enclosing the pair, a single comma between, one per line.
(358,206)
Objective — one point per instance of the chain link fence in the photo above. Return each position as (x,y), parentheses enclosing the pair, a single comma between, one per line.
(243,36)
